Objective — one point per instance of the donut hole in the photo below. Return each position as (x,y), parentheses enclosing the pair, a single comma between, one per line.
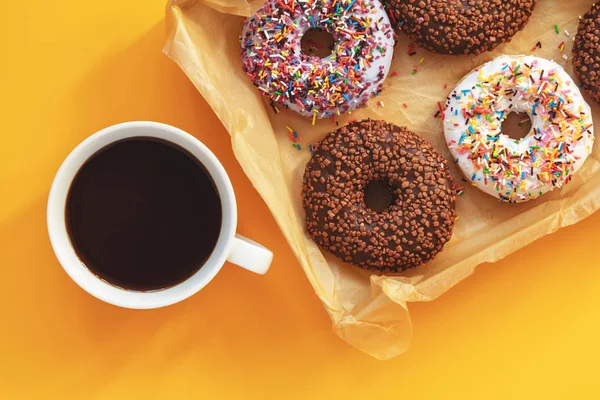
(516,125)
(317,42)
(378,196)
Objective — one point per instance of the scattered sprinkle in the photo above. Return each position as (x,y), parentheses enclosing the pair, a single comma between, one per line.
(459,190)
(274,107)
(523,120)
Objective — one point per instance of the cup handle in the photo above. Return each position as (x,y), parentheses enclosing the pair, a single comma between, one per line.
(250,255)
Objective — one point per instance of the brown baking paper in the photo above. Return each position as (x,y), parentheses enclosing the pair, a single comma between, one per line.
(370,312)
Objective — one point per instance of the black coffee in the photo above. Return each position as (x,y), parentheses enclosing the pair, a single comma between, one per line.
(143,214)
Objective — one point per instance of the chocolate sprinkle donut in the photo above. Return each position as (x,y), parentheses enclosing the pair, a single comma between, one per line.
(412,230)
(460,26)
(586,52)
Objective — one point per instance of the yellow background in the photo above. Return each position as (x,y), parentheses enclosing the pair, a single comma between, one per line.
(525,327)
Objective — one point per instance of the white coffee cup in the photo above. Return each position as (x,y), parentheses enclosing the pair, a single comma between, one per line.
(230,247)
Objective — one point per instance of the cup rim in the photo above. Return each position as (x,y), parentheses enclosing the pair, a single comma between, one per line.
(66,254)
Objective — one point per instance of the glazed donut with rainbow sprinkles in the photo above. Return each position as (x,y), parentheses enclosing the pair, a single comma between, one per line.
(512,170)
(355,70)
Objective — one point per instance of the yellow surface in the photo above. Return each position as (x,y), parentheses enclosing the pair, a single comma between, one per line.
(71,67)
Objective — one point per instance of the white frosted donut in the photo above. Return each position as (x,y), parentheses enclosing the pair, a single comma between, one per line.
(272,56)
(560,139)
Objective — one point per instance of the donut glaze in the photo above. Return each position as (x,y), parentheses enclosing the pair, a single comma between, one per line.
(273,59)
(460,26)
(420,219)
(560,140)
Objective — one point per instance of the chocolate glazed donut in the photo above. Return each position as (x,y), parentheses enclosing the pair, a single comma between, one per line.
(420,219)
(586,52)
(460,26)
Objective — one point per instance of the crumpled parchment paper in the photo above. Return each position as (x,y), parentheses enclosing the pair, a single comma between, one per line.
(370,312)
